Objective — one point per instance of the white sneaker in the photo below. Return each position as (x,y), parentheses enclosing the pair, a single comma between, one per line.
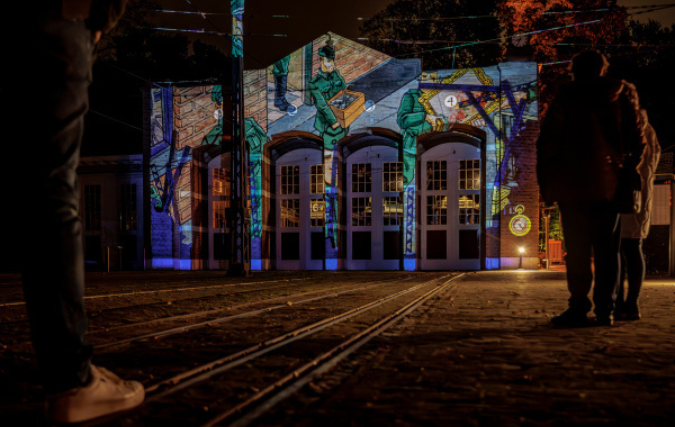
(105,394)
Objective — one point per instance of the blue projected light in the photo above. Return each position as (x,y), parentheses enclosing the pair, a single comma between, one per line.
(331,264)
(410,264)
(256,264)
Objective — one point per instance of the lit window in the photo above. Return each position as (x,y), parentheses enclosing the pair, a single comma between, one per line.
(361,211)
(437,210)
(469,174)
(361,178)
(392,176)
(469,209)
(317,179)
(221,182)
(290,213)
(392,211)
(290,180)
(437,175)
(128,211)
(316,212)
(92,207)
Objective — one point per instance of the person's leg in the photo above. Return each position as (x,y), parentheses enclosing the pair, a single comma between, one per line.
(636,275)
(620,290)
(49,92)
(606,242)
(575,221)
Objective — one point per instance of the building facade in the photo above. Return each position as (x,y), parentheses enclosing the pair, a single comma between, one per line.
(356,160)
(111,210)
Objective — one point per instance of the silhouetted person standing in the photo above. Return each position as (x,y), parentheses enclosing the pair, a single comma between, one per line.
(635,228)
(591,130)
(48,49)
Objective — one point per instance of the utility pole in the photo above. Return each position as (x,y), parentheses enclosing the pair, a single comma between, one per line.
(240,258)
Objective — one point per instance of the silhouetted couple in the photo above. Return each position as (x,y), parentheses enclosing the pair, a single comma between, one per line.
(593,129)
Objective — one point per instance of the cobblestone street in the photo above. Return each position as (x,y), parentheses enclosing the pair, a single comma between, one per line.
(474,350)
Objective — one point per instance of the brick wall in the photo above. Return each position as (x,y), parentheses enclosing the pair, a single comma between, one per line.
(351,59)
(525,194)
(255,96)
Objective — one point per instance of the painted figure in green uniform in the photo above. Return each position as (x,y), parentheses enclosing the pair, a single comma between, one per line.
(255,138)
(280,73)
(413,121)
(325,85)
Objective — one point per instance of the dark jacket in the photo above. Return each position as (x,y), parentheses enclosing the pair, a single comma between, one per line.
(591,129)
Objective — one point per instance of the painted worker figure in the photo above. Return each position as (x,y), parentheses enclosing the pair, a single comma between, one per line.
(591,130)
(255,138)
(56,48)
(280,73)
(324,86)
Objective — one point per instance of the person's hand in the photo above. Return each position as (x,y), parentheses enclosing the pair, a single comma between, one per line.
(97,36)
(336,125)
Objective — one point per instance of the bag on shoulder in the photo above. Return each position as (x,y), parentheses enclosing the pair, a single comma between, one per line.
(629,190)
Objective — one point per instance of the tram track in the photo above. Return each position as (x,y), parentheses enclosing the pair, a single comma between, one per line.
(298,377)
(205,313)
(211,322)
(159,291)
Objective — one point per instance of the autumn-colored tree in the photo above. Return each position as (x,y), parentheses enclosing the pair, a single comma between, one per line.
(429,29)
(558,29)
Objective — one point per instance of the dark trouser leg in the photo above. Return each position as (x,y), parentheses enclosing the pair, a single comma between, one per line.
(606,242)
(51,71)
(635,269)
(576,226)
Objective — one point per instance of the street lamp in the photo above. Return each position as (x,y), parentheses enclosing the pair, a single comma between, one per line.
(522,251)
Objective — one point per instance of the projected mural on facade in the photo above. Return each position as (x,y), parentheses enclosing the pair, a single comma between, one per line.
(336,89)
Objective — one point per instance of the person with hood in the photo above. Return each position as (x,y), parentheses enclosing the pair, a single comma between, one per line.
(49,46)
(635,228)
(591,130)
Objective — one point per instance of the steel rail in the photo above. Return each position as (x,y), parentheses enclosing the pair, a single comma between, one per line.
(326,361)
(253,313)
(201,373)
(136,293)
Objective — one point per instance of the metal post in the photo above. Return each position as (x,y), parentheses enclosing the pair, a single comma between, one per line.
(108,248)
(240,263)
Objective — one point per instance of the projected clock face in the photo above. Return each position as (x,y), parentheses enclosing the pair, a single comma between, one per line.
(451,101)
(520,224)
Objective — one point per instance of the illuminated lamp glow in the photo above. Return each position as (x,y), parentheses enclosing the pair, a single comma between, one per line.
(521,250)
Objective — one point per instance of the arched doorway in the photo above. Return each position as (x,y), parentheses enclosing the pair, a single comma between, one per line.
(374,212)
(452,201)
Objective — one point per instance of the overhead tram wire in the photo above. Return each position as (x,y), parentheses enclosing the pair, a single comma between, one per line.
(529,33)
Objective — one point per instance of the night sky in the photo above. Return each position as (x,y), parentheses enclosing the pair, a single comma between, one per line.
(307,20)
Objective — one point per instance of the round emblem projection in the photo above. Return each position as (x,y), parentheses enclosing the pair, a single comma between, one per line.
(451,101)
(520,225)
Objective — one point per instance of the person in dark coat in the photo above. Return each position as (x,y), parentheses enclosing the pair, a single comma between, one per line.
(591,130)
(49,47)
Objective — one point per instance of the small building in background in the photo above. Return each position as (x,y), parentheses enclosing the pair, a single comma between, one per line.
(111,211)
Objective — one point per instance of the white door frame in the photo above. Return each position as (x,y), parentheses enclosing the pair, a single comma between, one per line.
(452,153)
(376,155)
(304,158)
